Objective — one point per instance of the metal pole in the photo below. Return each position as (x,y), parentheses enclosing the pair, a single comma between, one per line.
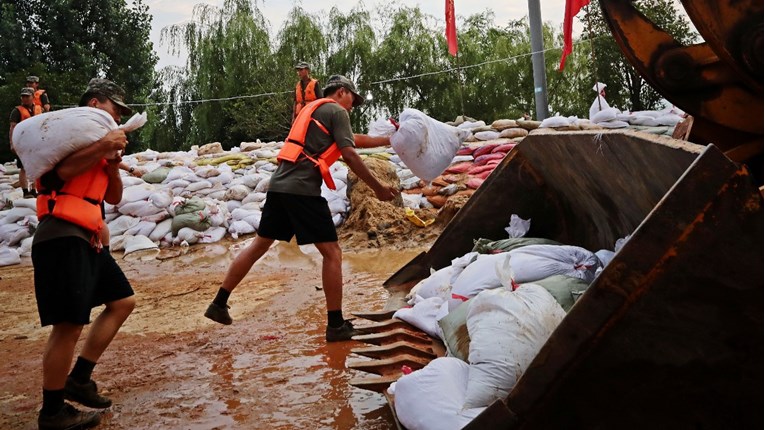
(538,59)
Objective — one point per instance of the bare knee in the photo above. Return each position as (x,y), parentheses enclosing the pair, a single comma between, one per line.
(123,307)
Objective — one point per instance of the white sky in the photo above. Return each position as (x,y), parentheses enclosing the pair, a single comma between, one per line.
(168,12)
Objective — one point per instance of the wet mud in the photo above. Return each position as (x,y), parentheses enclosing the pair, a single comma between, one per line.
(171,368)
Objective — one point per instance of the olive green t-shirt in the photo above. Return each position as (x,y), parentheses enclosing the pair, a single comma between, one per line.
(304,177)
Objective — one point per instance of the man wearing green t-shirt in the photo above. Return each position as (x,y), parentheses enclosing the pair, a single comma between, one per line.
(294,205)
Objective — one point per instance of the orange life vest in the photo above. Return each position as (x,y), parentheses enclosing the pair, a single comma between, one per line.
(294,146)
(302,98)
(38,95)
(25,114)
(78,201)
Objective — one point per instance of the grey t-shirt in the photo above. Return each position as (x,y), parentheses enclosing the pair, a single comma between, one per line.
(304,177)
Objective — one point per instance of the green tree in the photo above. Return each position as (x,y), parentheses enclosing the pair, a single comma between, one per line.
(68,42)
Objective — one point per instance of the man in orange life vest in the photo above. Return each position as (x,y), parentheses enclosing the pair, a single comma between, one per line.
(306,90)
(73,274)
(41,98)
(25,110)
(294,205)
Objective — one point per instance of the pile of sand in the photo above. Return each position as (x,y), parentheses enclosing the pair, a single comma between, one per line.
(376,224)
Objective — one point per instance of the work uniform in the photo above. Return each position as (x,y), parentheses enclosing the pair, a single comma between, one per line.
(72,275)
(294,205)
(306,92)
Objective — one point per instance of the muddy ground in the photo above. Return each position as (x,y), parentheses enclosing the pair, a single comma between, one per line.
(171,368)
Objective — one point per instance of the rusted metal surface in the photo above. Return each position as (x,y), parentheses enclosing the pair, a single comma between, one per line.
(671,332)
(580,188)
(719,81)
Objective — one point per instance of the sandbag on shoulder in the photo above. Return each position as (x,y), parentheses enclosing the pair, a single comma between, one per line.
(42,141)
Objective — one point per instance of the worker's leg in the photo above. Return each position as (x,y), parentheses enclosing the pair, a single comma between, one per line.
(58,354)
(332,274)
(244,262)
(105,327)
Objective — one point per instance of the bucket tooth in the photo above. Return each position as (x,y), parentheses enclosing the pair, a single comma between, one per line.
(378,384)
(388,366)
(392,336)
(375,316)
(396,349)
(386,325)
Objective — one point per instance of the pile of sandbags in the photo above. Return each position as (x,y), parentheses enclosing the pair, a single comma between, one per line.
(494,308)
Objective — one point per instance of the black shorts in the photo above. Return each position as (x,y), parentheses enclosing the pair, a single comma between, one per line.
(306,217)
(71,278)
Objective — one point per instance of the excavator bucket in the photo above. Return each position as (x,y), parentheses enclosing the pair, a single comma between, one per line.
(670,334)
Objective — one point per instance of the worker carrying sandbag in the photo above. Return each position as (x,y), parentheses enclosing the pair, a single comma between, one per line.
(43,141)
(425,145)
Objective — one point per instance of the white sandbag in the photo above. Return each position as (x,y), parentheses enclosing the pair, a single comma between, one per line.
(161,199)
(42,141)
(9,256)
(178,172)
(507,329)
(15,214)
(478,276)
(207,172)
(188,235)
(117,243)
(212,235)
(157,217)
(161,230)
(425,145)
(254,197)
(140,208)
(143,228)
(138,243)
(237,192)
(251,181)
(25,203)
(411,201)
(469,125)
(240,227)
(487,135)
(135,193)
(12,234)
(178,183)
(337,219)
(669,120)
(423,315)
(534,262)
(438,284)
(604,115)
(605,256)
(338,206)
(198,185)
(25,247)
(431,398)
(648,121)
(129,181)
(555,121)
(381,127)
(614,124)
(262,186)
(254,220)
(120,225)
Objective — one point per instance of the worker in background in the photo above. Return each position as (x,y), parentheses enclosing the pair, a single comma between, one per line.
(306,90)
(26,109)
(41,98)
(600,101)
(294,206)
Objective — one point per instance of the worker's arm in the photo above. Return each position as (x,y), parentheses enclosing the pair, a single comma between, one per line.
(132,170)
(10,134)
(84,159)
(113,193)
(367,141)
(354,162)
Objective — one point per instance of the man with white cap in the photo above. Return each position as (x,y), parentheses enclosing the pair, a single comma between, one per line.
(600,101)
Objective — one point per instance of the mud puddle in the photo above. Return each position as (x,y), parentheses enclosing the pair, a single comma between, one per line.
(170,368)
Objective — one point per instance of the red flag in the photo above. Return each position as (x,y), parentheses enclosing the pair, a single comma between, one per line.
(572,8)
(451,27)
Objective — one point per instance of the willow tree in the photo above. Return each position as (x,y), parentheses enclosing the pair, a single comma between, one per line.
(229,56)
(351,44)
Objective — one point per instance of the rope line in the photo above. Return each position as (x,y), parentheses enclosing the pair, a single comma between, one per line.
(384,81)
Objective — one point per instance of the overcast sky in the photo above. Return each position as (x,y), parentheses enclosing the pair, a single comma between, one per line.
(168,12)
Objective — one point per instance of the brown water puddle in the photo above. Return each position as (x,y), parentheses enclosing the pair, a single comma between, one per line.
(170,368)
